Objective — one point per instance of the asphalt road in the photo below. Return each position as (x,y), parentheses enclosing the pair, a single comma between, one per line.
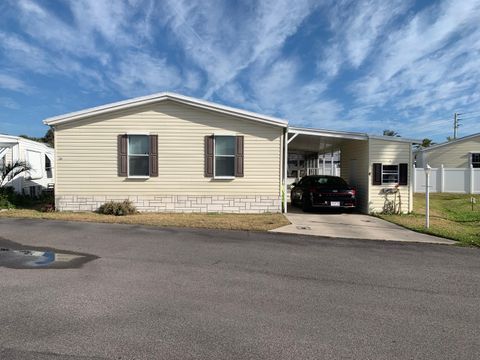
(200,294)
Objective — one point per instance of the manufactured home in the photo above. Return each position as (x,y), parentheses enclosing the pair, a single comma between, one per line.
(460,153)
(173,153)
(39,157)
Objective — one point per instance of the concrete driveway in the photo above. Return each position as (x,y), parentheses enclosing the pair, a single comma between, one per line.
(153,293)
(351,226)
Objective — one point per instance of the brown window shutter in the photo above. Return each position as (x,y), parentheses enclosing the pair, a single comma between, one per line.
(377,174)
(153,155)
(403,174)
(122,155)
(239,156)
(209,155)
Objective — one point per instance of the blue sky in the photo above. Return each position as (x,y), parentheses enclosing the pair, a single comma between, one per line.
(363,65)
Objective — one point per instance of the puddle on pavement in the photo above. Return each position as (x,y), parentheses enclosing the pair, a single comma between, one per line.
(17,256)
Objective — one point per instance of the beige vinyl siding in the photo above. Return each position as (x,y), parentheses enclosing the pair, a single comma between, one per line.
(86,152)
(389,153)
(454,155)
(354,169)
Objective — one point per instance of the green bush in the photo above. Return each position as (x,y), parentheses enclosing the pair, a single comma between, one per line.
(5,202)
(117,208)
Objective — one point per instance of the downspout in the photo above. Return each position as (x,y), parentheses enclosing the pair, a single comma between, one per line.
(285,164)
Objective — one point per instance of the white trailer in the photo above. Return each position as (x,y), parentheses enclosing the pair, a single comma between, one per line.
(38,156)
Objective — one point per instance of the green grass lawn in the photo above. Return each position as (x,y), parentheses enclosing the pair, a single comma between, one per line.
(451,216)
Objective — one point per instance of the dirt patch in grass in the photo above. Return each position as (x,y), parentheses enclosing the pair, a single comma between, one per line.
(251,222)
(451,216)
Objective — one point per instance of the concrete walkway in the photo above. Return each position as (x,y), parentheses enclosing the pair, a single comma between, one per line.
(353,226)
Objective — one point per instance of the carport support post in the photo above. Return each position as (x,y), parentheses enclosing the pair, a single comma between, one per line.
(427,196)
(285,164)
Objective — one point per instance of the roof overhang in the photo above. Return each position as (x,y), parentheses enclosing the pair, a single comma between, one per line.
(325,141)
(348,135)
(159,97)
(10,140)
(328,133)
(433,147)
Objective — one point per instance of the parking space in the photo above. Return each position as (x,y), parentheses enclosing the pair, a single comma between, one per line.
(352,226)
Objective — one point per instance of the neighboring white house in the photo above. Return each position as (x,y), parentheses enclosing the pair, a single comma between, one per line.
(169,152)
(459,153)
(455,166)
(39,157)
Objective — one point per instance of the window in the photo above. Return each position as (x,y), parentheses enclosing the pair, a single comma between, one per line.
(389,174)
(138,155)
(476,160)
(224,156)
(331,181)
(48,167)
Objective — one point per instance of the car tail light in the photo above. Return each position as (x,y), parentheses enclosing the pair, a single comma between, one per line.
(352,192)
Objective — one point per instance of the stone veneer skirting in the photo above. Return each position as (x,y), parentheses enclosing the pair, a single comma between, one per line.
(177,203)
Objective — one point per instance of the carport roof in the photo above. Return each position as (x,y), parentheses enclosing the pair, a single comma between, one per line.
(347,135)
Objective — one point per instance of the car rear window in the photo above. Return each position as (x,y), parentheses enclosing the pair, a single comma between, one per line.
(330,181)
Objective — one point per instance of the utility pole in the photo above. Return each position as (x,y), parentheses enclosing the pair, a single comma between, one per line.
(455,125)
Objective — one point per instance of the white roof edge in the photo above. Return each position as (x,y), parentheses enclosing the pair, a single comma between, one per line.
(19,138)
(395,138)
(449,142)
(144,100)
(331,133)
(348,134)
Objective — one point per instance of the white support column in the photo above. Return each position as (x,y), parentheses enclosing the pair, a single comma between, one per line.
(442,178)
(414,178)
(331,164)
(285,164)
(472,179)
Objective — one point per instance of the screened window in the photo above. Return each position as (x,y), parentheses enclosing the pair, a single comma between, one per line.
(224,156)
(138,155)
(48,167)
(389,174)
(476,160)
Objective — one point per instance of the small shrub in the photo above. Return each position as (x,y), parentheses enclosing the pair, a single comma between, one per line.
(117,208)
(5,202)
(47,208)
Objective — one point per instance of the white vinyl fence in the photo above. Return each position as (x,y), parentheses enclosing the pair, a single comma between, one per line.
(448,180)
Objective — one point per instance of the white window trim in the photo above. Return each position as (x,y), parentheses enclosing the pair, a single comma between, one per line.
(398,174)
(128,157)
(470,158)
(215,157)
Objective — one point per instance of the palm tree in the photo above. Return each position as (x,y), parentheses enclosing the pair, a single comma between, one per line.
(390,133)
(9,171)
(425,143)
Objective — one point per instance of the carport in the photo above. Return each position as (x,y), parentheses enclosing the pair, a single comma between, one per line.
(377,166)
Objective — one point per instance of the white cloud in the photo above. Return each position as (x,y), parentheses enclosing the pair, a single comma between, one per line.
(141,74)
(10,82)
(356,26)
(223,49)
(277,89)
(427,68)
